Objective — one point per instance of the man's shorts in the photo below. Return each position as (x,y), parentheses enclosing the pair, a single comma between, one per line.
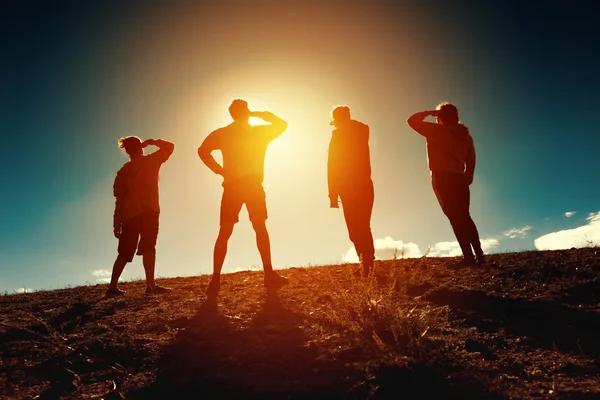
(249,192)
(139,233)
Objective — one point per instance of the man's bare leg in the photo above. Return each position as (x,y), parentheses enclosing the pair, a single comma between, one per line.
(117,270)
(219,253)
(149,261)
(220,250)
(263,242)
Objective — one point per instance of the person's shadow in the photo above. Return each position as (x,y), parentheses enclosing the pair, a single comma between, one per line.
(220,356)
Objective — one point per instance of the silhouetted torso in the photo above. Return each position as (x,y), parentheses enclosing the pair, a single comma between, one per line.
(349,164)
(447,146)
(136,184)
(244,148)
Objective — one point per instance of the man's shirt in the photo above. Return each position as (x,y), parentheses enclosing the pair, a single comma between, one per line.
(349,160)
(136,185)
(449,147)
(243,147)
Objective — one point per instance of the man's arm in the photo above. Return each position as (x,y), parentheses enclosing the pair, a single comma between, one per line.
(165,148)
(332,172)
(210,144)
(427,129)
(277,127)
(117,218)
(470,163)
(119,193)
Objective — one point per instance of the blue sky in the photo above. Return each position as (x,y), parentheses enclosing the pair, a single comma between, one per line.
(77,76)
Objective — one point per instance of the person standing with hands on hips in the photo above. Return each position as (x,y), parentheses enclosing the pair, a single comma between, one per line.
(243,147)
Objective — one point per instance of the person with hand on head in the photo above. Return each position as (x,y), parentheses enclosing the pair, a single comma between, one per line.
(349,180)
(451,159)
(137,209)
(243,147)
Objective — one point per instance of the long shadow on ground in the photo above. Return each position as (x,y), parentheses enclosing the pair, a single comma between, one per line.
(217,357)
(268,358)
(547,323)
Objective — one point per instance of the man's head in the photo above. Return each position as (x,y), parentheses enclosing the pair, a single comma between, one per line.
(239,110)
(132,146)
(340,116)
(447,114)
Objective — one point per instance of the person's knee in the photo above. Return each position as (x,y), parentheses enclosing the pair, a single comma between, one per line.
(149,252)
(259,226)
(352,236)
(463,217)
(455,216)
(225,231)
(448,212)
(124,259)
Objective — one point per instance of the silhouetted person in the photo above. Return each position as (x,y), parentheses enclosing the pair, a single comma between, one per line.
(137,208)
(451,159)
(349,179)
(243,148)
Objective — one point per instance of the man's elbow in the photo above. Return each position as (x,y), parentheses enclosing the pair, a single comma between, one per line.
(419,126)
(204,154)
(283,125)
(170,147)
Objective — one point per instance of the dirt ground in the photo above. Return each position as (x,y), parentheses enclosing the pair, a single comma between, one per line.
(526,325)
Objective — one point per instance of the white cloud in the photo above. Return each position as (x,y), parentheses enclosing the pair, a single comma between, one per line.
(577,237)
(103,276)
(250,268)
(452,249)
(517,232)
(385,249)
(445,249)
(569,214)
(23,290)
(489,244)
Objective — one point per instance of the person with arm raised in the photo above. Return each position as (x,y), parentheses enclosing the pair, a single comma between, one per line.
(137,209)
(451,160)
(243,148)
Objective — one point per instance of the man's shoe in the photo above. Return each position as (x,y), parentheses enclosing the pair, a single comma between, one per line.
(274,281)
(465,263)
(212,291)
(480,260)
(114,292)
(157,290)
(362,272)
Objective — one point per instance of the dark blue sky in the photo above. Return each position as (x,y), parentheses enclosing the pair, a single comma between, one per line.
(524,77)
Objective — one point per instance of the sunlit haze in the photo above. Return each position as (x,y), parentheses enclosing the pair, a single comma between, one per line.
(76,79)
